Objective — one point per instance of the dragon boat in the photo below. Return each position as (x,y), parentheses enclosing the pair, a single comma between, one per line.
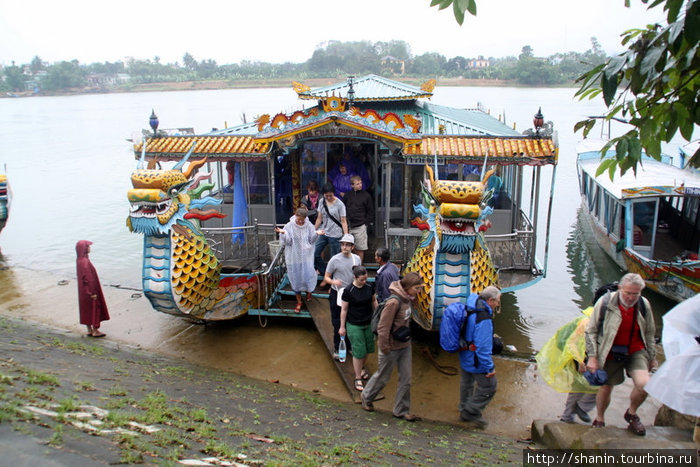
(450,187)
(648,222)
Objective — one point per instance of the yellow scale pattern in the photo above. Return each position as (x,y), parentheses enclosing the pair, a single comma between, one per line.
(195,273)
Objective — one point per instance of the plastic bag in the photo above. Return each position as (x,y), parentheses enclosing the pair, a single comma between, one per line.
(556,361)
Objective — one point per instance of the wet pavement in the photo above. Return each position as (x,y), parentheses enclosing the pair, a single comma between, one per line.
(290,352)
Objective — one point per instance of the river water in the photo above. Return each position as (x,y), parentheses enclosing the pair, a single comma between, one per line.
(68,163)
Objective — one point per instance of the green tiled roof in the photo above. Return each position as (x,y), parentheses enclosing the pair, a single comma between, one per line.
(367,89)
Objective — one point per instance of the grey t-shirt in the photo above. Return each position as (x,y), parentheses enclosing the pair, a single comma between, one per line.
(340,267)
(337,210)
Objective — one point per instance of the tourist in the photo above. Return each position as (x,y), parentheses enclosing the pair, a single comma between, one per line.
(358,302)
(360,213)
(478,381)
(339,275)
(394,341)
(332,220)
(311,199)
(91,300)
(299,238)
(619,339)
(386,274)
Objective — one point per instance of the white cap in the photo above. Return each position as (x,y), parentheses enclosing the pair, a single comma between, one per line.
(347,238)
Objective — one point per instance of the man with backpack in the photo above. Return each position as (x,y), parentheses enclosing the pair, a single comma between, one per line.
(619,339)
(469,330)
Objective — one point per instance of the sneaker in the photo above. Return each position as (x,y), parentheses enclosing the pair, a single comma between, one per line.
(585,418)
(635,425)
(598,424)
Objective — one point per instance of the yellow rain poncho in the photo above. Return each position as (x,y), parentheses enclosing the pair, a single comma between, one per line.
(556,361)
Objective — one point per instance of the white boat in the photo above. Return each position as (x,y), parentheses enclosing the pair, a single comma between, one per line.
(648,222)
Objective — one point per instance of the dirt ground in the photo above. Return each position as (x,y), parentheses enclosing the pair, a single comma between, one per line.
(83,401)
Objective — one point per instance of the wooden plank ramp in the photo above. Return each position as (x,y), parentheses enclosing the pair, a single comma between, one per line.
(321,314)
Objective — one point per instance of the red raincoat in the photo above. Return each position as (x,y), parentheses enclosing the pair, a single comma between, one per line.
(92,312)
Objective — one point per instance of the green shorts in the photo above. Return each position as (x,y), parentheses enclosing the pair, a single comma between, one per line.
(637,361)
(361,338)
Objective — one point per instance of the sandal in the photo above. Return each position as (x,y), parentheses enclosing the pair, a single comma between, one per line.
(297,308)
(365,375)
(309,297)
(359,385)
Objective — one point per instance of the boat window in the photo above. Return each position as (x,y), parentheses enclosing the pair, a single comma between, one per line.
(643,214)
(258,183)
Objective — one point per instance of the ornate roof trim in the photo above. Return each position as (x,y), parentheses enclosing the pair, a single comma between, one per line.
(213,147)
(524,150)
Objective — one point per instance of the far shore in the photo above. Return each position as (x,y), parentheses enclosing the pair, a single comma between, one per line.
(247,84)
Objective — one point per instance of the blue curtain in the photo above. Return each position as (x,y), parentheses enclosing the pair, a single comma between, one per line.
(240,207)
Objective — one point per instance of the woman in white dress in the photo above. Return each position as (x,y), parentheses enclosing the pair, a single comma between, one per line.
(299,239)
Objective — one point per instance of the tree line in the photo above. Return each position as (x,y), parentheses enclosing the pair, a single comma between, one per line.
(332,58)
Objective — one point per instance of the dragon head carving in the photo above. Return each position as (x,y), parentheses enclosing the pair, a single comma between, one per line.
(460,208)
(451,256)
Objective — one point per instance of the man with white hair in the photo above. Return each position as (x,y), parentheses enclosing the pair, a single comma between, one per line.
(619,339)
(478,373)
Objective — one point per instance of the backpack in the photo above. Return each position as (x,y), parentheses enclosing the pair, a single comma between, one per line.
(377,314)
(606,291)
(454,335)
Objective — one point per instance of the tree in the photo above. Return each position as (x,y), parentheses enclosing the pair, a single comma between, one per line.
(14,78)
(654,85)
(189,61)
(63,75)
(655,82)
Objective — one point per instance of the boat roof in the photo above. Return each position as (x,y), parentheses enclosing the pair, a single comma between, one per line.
(369,88)
(382,109)
(653,178)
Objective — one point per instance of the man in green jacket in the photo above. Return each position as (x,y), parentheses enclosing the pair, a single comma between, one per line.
(619,338)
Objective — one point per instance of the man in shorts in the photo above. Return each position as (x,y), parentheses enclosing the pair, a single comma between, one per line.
(619,339)
(360,211)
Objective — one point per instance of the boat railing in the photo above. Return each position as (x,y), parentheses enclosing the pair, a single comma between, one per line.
(254,249)
(247,251)
(512,251)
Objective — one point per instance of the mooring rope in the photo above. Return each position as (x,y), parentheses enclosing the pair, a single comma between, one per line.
(447,370)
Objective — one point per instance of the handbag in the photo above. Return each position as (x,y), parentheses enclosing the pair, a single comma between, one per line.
(402,334)
(620,353)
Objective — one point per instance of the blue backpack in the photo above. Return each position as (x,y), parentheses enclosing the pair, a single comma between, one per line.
(454,335)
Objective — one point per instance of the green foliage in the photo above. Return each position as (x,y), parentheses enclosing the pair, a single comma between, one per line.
(459,7)
(64,75)
(654,85)
(14,78)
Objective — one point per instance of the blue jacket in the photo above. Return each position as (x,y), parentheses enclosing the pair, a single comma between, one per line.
(480,332)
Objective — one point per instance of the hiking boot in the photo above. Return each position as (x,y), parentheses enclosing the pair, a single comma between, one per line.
(585,418)
(635,425)
(476,422)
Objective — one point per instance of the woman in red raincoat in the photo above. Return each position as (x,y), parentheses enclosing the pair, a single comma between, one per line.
(93,308)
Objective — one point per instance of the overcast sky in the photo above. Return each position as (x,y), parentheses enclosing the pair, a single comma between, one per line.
(290,30)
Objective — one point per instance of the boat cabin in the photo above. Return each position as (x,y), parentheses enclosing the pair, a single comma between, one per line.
(386,132)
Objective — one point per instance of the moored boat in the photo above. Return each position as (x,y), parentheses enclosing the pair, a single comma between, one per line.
(209,249)
(5,199)
(648,223)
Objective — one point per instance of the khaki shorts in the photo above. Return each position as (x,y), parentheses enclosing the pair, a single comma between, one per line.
(360,234)
(616,370)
